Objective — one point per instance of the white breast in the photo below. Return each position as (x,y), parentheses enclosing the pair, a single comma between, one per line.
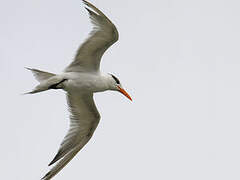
(85,82)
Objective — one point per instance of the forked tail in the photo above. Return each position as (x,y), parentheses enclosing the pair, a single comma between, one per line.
(41,75)
(47,81)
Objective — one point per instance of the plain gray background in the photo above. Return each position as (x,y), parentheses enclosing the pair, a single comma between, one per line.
(178,59)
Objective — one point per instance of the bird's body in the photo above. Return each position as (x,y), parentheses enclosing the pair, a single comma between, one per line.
(85,82)
(80,80)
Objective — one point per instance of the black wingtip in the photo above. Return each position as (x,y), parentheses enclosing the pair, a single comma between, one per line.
(44,177)
(85,2)
(53,161)
(89,11)
(56,158)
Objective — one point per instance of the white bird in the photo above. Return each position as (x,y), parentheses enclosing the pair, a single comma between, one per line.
(80,80)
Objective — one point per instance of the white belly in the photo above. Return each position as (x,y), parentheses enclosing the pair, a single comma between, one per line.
(84,82)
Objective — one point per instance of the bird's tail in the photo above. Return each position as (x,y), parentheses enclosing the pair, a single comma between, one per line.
(47,81)
(61,164)
(41,75)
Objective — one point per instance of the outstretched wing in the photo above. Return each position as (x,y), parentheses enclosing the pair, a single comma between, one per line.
(103,35)
(84,120)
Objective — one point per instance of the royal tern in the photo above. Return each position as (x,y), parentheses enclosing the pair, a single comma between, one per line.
(80,80)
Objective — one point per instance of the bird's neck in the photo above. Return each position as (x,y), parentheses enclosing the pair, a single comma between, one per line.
(103,82)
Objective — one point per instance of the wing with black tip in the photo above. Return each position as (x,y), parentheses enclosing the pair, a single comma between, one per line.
(103,35)
(84,119)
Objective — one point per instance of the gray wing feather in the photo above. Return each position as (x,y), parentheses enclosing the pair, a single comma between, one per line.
(63,162)
(84,119)
(103,35)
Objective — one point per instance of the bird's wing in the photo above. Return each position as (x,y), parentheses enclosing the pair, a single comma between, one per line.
(103,35)
(84,120)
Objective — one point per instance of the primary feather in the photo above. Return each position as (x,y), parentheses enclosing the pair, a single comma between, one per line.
(103,35)
(84,120)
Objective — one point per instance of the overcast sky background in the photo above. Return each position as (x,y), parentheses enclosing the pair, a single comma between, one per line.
(180,62)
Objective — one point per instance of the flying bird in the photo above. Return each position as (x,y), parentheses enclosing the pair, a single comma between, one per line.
(81,79)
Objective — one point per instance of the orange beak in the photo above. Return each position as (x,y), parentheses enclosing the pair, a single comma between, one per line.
(124,93)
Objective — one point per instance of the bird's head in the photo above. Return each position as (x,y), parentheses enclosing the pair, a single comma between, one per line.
(115,85)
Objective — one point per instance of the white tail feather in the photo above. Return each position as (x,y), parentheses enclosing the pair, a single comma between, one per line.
(47,81)
(41,75)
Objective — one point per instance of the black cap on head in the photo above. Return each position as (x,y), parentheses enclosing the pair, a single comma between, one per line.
(115,78)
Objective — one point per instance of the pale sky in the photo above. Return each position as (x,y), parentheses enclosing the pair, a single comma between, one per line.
(180,62)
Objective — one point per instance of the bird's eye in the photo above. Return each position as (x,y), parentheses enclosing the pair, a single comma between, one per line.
(116,79)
